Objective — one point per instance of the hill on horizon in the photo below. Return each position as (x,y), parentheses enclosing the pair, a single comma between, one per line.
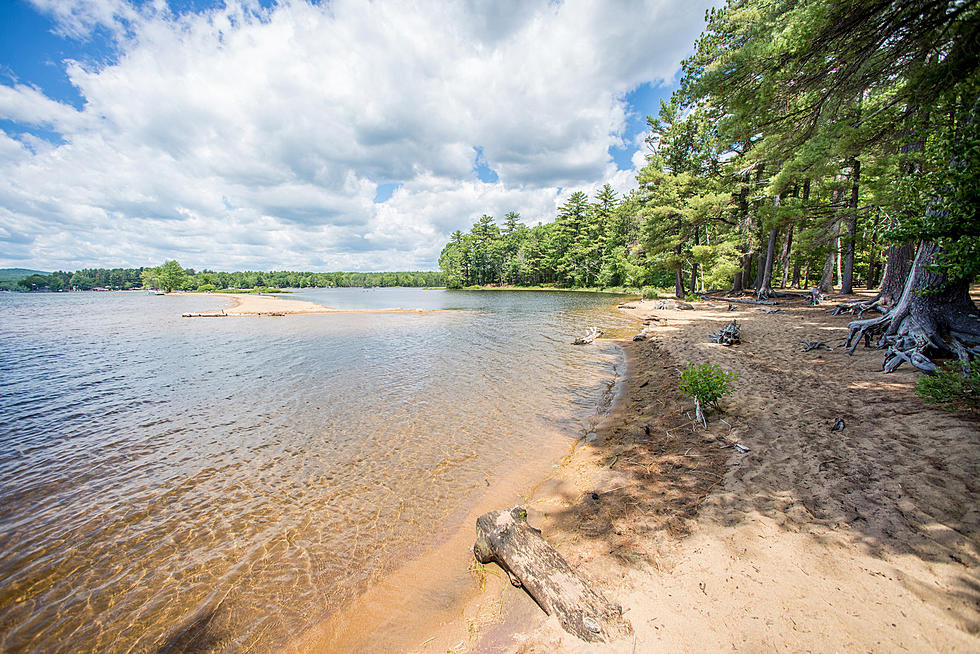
(16,274)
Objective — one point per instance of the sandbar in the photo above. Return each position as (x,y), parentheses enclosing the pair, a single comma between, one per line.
(248,304)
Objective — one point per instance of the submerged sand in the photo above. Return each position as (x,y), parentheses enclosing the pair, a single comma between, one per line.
(866,539)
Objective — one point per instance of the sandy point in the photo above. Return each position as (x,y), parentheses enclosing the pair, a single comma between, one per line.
(250,304)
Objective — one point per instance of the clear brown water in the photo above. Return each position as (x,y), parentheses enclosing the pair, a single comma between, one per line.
(222,485)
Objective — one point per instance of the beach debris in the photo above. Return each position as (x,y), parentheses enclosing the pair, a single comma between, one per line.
(814,297)
(674,304)
(504,537)
(644,333)
(728,336)
(625,306)
(768,310)
(740,300)
(815,345)
(838,424)
(206,314)
(741,449)
(593,334)
(732,307)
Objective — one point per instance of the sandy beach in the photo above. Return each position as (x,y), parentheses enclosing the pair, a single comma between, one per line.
(866,539)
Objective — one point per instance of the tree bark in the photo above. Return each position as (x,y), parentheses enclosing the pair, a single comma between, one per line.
(784,259)
(898,265)
(827,278)
(504,537)
(847,280)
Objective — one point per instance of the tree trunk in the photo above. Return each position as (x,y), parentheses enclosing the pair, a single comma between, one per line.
(504,537)
(847,279)
(765,291)
(796,275)
(784,259)
(941,322)
(898,265)
(827,278)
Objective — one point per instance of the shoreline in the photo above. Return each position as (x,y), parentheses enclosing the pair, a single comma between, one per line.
(255,305)
(437,599)
(812,540)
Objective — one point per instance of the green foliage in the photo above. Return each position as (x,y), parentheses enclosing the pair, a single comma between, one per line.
(650,292)
(951,388)
(707,382)
(170,276)
(691,297)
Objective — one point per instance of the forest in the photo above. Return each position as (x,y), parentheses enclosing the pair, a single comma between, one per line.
(172,276)
(827,143)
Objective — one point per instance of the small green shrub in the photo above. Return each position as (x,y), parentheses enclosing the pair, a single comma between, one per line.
(691,297)
(206,288)
(649,293)
(706,383)
(950,388)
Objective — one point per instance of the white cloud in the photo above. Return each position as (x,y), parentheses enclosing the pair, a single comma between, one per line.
(244,137)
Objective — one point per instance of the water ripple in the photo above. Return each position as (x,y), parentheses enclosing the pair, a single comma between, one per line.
(220,485)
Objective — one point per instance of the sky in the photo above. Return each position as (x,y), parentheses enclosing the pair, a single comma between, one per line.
(290,135)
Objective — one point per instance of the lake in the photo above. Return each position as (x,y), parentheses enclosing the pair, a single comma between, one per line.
(172,484)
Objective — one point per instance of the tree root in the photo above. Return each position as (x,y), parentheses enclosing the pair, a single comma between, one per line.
(858,308)
(913,339)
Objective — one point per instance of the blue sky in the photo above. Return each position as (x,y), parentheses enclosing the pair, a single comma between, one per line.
(347,135)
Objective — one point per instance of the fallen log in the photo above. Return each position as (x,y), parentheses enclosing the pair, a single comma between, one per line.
(504,537)
(741,300)
(593,334)
(815,345)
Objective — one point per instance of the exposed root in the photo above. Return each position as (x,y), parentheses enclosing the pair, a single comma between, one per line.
(858,308)
(913,339)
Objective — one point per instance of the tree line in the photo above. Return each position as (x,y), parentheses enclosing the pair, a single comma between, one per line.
(172,276)
(826,143)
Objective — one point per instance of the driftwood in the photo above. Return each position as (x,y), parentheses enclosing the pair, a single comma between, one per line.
(505,538)
(730,335)
(815,345)
(593,334)
(814,297)
(741,300)
(673,304)
(768,310)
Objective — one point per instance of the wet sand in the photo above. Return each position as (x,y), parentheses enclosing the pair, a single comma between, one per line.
(813,540)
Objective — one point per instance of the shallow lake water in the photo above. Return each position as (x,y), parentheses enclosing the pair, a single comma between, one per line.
(172,484)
